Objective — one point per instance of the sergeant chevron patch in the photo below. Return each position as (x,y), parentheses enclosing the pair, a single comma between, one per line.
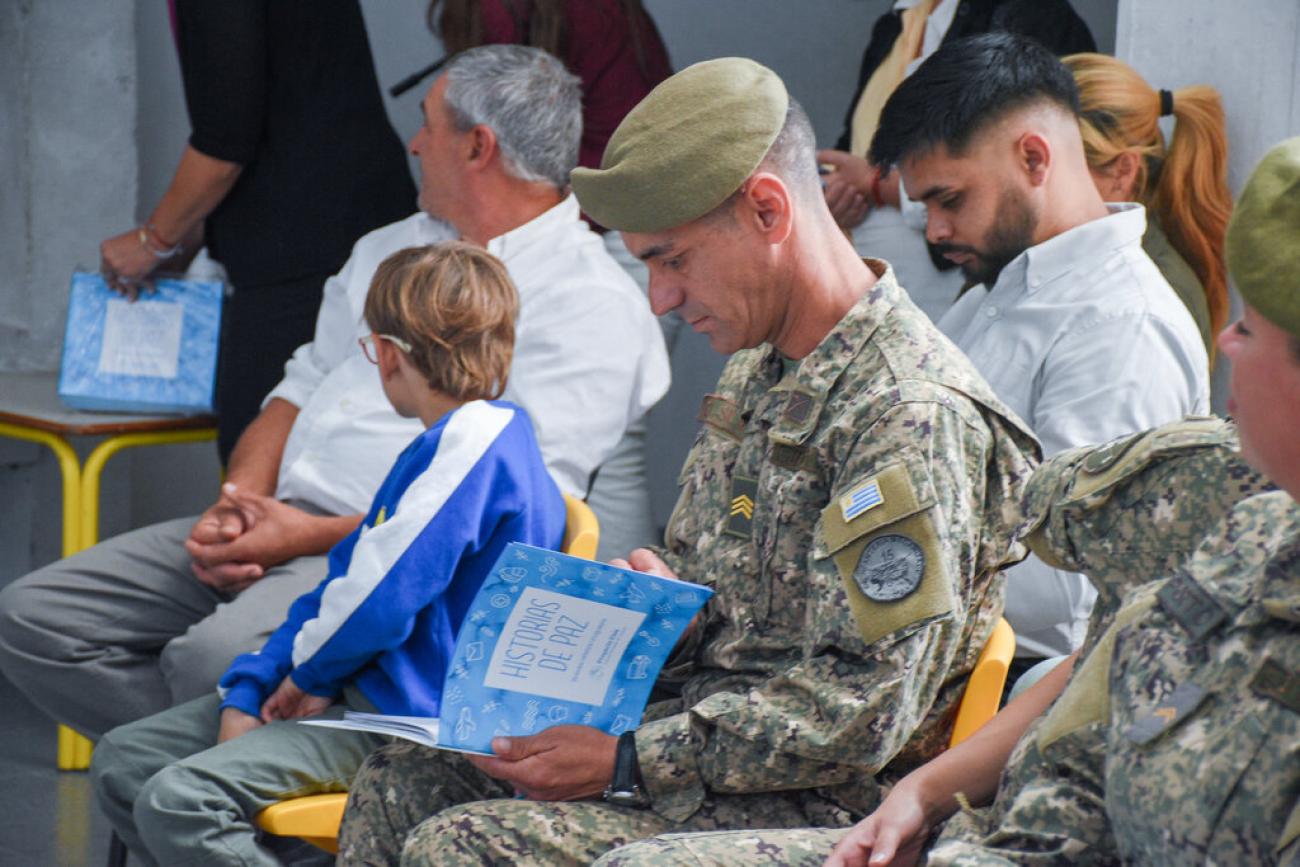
(740,508)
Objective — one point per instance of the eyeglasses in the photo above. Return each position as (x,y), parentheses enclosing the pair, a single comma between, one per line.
(367,344)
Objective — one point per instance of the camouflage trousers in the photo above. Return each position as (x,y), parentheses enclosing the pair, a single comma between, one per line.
(415,806)
(800,847)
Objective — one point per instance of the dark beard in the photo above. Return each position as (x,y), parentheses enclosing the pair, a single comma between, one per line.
(1011,236)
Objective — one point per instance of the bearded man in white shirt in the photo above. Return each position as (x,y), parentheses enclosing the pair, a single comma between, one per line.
(1070,321)
(153,617)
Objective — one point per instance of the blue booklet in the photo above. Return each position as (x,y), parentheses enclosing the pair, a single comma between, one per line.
(157,354)
(550,639)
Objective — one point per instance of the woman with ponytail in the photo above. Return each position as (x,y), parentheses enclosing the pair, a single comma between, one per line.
(1183,185)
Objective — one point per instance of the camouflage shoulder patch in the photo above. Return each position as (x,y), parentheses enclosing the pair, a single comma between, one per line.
(1274,681)
(1192,606)
(1175,708)
(722,415)
(1104,457)
(1123,458)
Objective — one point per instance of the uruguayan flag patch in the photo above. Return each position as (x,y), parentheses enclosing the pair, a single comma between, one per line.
(861,499)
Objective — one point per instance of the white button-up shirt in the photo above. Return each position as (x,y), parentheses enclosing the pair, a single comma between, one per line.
(589,361)
(1086,341)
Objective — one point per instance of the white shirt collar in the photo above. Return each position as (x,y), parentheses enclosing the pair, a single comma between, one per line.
(541,226)
(1075,248)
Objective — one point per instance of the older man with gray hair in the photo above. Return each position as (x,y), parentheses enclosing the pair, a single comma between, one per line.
(153,617)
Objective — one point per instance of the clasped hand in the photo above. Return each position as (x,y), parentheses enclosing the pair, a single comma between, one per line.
(241,536)
(287,702)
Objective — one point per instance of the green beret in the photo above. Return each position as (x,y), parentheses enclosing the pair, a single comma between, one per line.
(686,147)
(1264,238)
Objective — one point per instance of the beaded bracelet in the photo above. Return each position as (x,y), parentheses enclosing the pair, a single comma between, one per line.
(166,252)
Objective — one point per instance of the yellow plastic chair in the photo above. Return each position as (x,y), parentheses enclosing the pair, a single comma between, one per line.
(316,818)
(983,692)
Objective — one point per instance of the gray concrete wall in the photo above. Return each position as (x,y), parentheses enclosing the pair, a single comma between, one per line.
(67,165)
(81,111)
(1253,59)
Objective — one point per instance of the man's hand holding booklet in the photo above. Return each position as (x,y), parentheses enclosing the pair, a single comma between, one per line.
(550,640)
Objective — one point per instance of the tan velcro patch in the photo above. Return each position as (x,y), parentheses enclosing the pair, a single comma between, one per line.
(911,583)
(1087,698)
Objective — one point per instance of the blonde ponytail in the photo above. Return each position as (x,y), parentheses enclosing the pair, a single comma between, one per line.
(1185,187)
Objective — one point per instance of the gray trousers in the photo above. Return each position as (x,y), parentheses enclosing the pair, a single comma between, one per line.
(124,630)
(174,798)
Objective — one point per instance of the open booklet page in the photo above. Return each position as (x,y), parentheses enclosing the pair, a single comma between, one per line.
(551,639)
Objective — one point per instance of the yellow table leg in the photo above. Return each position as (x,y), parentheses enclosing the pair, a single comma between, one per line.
(99,456)
(70,468)
(73,749)
(81,519)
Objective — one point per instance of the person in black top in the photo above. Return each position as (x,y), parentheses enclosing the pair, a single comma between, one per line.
(291,158)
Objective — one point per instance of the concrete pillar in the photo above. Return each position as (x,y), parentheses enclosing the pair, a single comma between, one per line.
(68,177)
(69,171)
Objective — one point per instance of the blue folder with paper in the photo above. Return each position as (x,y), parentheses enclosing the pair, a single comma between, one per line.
(550,639)
(156,354)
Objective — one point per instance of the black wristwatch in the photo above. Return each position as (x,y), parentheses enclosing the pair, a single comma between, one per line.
(625,789)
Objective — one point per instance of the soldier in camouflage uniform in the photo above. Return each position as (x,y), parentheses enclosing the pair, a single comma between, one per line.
(1178,738)
(1185,719)
(850,498)
(1123,513)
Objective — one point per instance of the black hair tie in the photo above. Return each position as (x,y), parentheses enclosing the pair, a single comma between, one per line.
(1166,103)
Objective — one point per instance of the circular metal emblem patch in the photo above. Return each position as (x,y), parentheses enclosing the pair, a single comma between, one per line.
(890,568)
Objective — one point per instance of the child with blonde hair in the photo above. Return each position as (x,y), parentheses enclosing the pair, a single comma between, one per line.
(379,631)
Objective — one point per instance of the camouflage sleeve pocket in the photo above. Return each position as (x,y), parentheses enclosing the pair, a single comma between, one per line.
(880,534)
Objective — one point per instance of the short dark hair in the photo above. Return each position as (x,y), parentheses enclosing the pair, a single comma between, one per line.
(965,86)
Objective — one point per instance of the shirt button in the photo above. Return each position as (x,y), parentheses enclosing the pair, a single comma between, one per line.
(991,312)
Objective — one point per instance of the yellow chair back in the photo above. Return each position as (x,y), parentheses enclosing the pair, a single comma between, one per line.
(984,689)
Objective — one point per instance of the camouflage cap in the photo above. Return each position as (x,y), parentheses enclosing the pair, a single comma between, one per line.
(686,147)
(1264,237)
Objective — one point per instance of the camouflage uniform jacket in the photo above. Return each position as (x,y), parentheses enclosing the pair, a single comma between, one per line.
(1203,743)
(852,513)
(1124,513)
